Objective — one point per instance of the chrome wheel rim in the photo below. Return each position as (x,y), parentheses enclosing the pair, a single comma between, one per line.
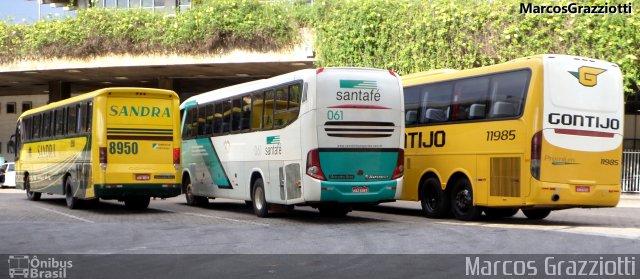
(257,197)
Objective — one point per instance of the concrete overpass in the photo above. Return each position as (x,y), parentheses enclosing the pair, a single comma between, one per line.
(37,82)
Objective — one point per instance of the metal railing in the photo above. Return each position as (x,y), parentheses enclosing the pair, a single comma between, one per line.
(631,171)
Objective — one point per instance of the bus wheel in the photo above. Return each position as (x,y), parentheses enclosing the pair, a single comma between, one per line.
(500,212)
(334,210)
(260,206)
(194,200)
(137,202)
(434,201)
(72,202)
(536,213)
(462,201)
(31,195)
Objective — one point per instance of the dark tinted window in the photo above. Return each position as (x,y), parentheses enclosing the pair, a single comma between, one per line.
(71,120)
(500,95)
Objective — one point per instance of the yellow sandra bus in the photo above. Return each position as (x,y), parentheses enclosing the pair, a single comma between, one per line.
(113,143)
(539,133)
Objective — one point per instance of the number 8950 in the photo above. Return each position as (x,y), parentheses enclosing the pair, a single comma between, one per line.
(123,147)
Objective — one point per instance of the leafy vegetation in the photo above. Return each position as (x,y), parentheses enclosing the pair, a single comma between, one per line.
(410,36)
(403,35)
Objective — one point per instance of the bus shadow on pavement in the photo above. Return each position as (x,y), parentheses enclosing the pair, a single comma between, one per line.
(300,214)
(518,220)
(104,207)
(389,210)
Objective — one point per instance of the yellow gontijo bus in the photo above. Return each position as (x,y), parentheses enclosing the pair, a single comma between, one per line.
(538,133)
(113,143)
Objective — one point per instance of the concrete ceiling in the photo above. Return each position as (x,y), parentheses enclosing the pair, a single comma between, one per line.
(188,79)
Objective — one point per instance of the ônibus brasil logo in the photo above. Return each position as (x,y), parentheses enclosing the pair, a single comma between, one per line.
(588,76)
(23,266)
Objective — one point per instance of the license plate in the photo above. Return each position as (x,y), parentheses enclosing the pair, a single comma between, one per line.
(143,177)
(360,189)
(582,189)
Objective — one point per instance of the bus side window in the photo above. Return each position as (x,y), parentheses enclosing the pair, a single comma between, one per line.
(507,93)
(81,117)
(236,114)
(46,124)
(258,108)
(246,112)
(269,104)
(36,126)
(59,113)
(194,121)
(186,131)
(71,120)
(466,93)
(281,106)
(436,102)
(26,129)
(89,116)
(78,118)
(217,118)
(294,103)
(208,126)
(201,120)
(226,116)
(411,104)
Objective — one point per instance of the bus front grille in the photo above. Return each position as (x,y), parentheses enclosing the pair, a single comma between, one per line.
(359,129)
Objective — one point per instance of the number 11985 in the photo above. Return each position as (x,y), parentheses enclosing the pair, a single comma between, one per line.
(501,135)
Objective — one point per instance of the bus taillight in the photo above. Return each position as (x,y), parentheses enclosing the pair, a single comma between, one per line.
(536,153)
(176,158)
(313,165)
(399,171)
(103,158)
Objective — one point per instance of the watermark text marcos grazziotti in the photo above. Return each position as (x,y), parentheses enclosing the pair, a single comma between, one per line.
(552,266)
(573,8)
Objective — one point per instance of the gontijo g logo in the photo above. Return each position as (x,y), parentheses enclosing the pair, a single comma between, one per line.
(358,90)
(587,76)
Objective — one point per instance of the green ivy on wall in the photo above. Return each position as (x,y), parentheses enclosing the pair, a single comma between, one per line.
(404,35)
(410,36)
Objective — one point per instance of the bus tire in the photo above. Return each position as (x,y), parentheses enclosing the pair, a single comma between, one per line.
(260,205)
(72,202)
(493,212)
(462,201)
(137,203)
(31,195)
(192,199)
(536,213)
(434,201)
(334,210)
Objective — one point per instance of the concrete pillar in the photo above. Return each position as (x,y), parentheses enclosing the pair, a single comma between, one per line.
(59,90)
(166,83)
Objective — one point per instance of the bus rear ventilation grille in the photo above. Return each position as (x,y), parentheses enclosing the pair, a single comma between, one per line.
(359,129)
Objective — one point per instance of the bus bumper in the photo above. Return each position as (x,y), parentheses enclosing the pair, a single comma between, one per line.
(116,191)
(358,192)
(557,195)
